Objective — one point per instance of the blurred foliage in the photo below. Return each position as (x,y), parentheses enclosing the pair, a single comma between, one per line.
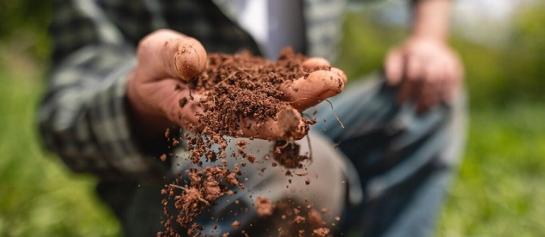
(523,67)
(515,70)
(497,193)
(26,20)
(38,195)
(494,75)
(364,45)
(499,188)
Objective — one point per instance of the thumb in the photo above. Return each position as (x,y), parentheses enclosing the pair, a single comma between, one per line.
(308,91)
(394,67)
(167,53)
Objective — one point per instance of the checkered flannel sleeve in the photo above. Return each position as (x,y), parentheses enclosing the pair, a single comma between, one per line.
(83,116)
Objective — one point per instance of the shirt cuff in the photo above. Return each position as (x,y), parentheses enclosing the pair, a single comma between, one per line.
(111,122)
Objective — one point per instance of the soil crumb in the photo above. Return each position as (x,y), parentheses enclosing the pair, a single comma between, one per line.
(286,153)
(264,207)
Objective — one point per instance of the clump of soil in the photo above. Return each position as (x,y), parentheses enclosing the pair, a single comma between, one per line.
(237,88)
(242,92)
(287,154)
(242,86)
(204,187)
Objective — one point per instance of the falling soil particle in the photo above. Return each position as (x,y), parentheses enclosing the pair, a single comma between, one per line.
(320,232)
(287,154)
(234,88)
(264,207)
(235,224)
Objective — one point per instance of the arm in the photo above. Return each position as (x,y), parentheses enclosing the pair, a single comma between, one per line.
(424,67)
(106,106)
(84,116)
(431,19)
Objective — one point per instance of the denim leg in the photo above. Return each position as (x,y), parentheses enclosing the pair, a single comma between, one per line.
(403,159)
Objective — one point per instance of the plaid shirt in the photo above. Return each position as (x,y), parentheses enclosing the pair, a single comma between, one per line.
(83,116)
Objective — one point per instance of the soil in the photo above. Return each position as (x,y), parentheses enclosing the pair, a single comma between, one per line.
(239,87)
(264,207)
(242,86)
(287,154)
(298,221)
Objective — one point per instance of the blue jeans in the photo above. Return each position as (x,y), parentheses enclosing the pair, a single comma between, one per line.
(398,165)
(403,159)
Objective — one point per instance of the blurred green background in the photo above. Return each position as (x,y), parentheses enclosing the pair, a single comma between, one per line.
(497,193)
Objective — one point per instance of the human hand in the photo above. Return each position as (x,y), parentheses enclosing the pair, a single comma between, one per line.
(167,60)
(426,71)
(301,94)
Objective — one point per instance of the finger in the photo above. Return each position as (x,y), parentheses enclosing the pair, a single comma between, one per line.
(287,124)
(453,77)
(316,87)
(413,68)
(446,83)
(174,100)
(413,75)
(167,53)
(443,84)
(458,77)
(407,91)
(183,108)
(429,92)
(394,67)
(316,63)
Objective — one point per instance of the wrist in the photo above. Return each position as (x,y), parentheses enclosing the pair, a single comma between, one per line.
(429,39)
(430,19)
(429,34)
(147,123)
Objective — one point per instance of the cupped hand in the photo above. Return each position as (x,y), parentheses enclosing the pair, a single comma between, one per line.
(167,60)
(301,93)
(426,71)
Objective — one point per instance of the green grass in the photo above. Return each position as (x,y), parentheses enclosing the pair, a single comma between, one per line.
(38,195)
(499,191)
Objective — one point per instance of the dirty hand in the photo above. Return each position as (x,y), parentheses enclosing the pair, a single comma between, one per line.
(426,71)
(168,59)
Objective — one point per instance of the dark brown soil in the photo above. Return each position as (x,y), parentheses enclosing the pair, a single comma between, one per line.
(243,86)
(287,154)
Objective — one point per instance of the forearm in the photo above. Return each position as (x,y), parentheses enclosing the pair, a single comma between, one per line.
(84,116)
(430,18)
(425,68)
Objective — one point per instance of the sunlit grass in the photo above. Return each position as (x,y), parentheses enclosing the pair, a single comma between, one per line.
(38,195)
(499,191)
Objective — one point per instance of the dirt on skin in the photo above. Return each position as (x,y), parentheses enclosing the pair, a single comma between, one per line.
(239,87)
